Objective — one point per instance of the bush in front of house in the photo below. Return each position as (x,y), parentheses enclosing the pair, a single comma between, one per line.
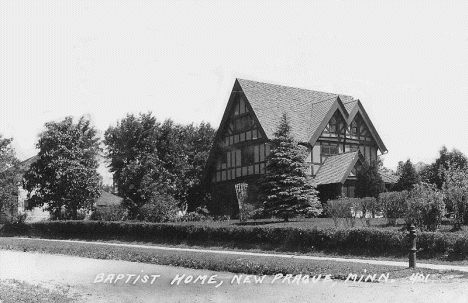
(425,207)
(368,207)
(393,205)
(110,213)
(347,210)
(338,209)
(159,208)
(201,213)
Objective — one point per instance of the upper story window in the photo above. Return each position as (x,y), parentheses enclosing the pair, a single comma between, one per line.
(335,127)
(332,125)
(329,150)
(354,128)
(248,155)
(242,123)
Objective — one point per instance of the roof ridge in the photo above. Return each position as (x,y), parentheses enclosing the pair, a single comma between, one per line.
(293,87)
(334,97)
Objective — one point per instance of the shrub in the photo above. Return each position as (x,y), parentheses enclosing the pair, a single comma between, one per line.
(393,205)
(425,206)
(200,214)
(248,211)
(111,213)
(368,207)
(339,209)
(160,208)
(350,209)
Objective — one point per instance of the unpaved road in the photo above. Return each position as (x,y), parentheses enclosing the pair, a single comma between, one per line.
(80,275)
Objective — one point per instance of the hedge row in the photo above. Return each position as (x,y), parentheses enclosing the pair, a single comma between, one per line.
(372,241)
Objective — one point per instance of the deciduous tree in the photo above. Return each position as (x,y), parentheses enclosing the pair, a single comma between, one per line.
(148,157)
(65,177)
(8,177)
(434,173)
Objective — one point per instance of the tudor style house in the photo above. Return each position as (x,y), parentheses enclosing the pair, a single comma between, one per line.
(335,128)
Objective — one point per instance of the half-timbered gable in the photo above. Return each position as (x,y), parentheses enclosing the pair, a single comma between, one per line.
(335,128)
(241,149)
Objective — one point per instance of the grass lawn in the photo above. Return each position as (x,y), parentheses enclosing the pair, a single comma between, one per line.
(15,291)
(231,263)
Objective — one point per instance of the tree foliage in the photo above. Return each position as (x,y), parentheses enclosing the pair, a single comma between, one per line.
(455,191)
(64,177)
(149,157)
(435,172)
(287,190)
(369,183)
(408,176)
(8,177)
(393,205)
(425,206)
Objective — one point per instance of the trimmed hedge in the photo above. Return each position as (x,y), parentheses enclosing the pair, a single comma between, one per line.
(371,241)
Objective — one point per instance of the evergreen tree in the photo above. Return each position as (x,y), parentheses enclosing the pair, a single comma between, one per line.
(408,176)
(369,183)
(287,190)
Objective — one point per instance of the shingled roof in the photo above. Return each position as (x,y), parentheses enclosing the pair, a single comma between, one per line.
(337,168)
(388,177)
(308,111)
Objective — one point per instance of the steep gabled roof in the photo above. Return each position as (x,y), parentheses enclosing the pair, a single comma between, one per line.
(305,108)
(308,111)
(337,168)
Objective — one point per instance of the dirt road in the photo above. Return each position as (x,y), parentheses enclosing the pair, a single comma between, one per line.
(119,281)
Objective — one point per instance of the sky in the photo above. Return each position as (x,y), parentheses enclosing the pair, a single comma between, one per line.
(407,61)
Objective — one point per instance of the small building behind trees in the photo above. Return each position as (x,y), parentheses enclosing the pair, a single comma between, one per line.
(336,130)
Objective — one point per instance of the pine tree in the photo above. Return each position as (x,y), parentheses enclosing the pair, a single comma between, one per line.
(408,176)
(287,190)
(369,183)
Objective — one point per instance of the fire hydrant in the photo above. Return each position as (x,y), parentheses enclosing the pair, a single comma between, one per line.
(412,249)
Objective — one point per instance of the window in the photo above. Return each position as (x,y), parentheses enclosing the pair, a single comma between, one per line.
(248,155)
(354,128)
(329,150)
(333,125)
(243,123)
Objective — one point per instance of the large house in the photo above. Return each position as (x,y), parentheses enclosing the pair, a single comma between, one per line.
(335,128)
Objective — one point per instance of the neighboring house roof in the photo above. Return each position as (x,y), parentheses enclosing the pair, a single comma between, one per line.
(107,199)
(308,111)
(24,165)
(336,169)
(388,178)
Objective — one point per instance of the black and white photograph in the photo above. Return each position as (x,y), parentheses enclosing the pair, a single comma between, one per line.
(233,151)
